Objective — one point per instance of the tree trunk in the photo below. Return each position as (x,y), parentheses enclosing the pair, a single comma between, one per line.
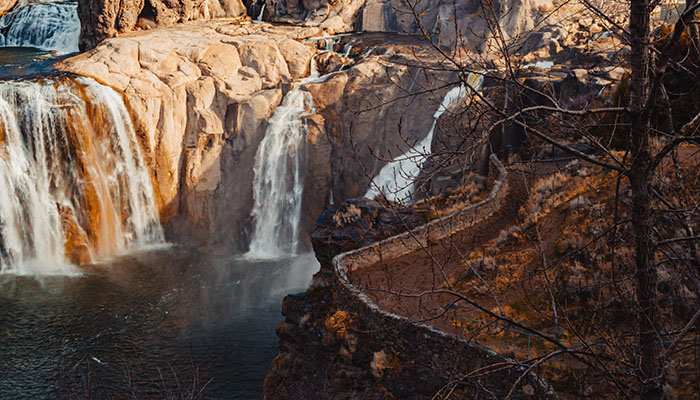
(646,279)
(694,30)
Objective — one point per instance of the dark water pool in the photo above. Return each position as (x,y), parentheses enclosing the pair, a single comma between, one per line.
(157,309)
(25,62)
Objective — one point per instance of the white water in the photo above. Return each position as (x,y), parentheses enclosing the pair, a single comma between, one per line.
(43,24)
(396,180)
(278,186)
(55,161)
(262,13)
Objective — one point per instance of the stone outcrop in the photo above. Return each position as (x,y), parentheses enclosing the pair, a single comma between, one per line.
(436,16)
(200,96)
(358,223)
(6,5)
(102,19)
(334,337)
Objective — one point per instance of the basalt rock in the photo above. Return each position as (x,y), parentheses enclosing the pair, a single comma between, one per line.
(323,345)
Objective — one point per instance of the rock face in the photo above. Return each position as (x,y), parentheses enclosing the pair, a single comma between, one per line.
(6,5)
(357,223)
(102,19)
(200,96)
(322,345)
(436,16)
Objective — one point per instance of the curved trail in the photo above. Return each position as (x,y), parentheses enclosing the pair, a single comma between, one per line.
(387,283)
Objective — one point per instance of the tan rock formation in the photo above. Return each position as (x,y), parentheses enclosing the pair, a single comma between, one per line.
(201,93)
(6,5)
(102,19)
(77,243)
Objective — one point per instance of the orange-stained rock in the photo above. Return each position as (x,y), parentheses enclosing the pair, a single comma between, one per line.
(6,5)
(76,240)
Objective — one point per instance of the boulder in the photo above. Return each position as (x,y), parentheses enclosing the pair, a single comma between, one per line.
(358,222)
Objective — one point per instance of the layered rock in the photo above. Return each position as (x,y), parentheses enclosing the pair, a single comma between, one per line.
(102,19)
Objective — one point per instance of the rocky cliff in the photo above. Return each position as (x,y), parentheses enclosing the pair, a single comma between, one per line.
(441,20)
(102,19)
(201,94)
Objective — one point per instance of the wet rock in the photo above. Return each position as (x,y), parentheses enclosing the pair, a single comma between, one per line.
(76,244)
(331,62)
(199,100)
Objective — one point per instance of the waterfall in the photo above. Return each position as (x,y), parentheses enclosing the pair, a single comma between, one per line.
(46,25)
(278,186)
(396,179)
(279,179)
(262,13)
(73,183)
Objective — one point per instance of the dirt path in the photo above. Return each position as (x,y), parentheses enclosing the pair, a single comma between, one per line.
(389,282)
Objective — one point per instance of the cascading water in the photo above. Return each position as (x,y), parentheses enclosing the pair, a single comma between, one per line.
(73,184)
(396,179)
(43,24)
(278,186)
(279,179)
(262,13)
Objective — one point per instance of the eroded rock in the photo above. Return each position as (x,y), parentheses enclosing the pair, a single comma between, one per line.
(103,19)
(6,5)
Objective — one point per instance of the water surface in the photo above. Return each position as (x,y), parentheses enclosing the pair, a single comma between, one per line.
(154,309)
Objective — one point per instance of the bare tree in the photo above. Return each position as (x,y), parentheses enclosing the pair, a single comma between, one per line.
(648,145)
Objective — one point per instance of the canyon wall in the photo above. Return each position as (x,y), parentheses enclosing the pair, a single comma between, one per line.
(443,20)
(200,95)
(447,23)
(102,19)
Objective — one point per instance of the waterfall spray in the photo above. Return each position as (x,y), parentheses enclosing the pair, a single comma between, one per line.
(278,186)
(262,13)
